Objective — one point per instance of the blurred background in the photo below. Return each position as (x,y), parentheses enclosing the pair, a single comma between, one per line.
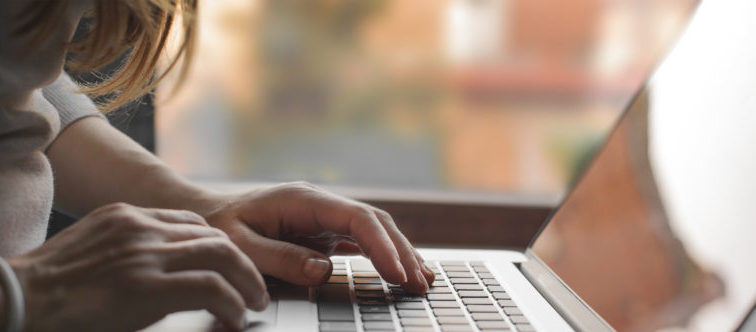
(497,97)
(485,96)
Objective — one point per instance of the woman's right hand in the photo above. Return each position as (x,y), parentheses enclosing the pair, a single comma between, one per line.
(122,268)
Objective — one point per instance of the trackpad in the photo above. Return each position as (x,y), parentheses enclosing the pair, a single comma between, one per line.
(296,308)
(203,321)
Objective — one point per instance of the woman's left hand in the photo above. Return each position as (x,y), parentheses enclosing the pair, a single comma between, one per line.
(290,229)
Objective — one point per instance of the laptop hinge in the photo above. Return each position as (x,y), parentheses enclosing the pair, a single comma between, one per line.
(573,309)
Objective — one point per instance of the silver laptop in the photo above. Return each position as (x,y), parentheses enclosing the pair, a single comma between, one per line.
(527,289)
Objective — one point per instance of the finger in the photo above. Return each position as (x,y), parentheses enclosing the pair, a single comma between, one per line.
(347,248)
(417,282)
(194,290)
(430,276)
(284,260)
(183,232)
(175,216)
(343,216)
(223,257)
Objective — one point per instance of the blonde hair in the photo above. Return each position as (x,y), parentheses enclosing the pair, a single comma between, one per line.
(139,28)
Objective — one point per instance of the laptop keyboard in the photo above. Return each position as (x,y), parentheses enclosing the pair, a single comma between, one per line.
(464,297)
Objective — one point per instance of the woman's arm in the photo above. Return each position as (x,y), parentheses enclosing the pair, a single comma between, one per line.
(297,224)
(95,164)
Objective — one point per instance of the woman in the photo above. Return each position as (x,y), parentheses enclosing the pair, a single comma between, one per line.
(149,242)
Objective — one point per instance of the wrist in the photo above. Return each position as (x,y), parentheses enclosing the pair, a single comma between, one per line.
(3,313)
(11,299)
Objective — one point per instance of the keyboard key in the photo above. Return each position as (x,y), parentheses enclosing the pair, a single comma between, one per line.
(337,279)
(444,304)
(456,268)
(463,280)
(375,317)
(472,293)
(525,328)
(333,303)
(439,290)
(501,295)
(481,308)
(476,300)
(455,274)
(366,275)
(374,309)
(368,287)
(438,283)
(367,280)
(410,305)
(441,297)
(418,329)
(335,311)
(496,289)
(410,298)
(477,263)
(337,327)
(338,273)
(452,320)
(490,282)
(362,265)
(468,287)
(412,313)
(415,321)
(486,275)
(448,312)
(492,324)
(481,269)
(518,319)
(396,292)
(370,294)
(372,301)
(451,263)
(507,303)
(512,311)
(486,316)
(456,328)
(378,325)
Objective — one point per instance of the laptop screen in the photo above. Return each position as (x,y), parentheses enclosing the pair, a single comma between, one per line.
(659,233)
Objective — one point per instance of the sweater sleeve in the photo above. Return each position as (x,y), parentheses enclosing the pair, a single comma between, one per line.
(71,104)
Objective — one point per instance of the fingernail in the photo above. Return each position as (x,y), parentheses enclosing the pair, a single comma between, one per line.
(426,272)
(263,301)
(421,278)
(316,268)
(399,267)
(243,323)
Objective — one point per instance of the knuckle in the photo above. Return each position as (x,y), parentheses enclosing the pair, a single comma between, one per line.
(112,209)
(215,232)
(361,211)
(191,216)
(137,252)
(303,184)
(298,186)
(222,247)
(382,214)
(118,206)
(214,282)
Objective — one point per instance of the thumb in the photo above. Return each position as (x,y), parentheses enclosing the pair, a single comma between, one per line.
(287,261)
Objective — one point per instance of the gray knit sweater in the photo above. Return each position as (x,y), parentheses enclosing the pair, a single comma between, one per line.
(26,179)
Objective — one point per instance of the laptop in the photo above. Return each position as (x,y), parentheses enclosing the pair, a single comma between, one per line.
(531,289)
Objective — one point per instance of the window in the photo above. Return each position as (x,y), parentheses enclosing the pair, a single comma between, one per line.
(487,96)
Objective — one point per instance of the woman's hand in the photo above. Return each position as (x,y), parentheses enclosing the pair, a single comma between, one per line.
(122,268)
(289,230)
